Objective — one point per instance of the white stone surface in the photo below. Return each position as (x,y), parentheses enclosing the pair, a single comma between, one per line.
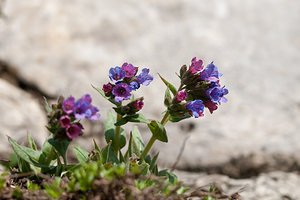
(64,46)
(20,114)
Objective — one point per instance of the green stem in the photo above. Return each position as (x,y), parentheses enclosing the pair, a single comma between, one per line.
(153,138)
(118,130)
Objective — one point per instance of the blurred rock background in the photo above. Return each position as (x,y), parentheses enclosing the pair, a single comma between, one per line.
(61,47)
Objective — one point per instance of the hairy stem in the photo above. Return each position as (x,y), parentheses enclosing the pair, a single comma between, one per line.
(117,138)
(153,138)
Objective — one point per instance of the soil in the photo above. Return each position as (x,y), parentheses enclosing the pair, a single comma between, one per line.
(117,189)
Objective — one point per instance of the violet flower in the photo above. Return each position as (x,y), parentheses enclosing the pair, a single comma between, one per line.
(210,73)
(129,69)
(68,105)
(121,92)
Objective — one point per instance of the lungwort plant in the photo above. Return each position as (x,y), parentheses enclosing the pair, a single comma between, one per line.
(199,88)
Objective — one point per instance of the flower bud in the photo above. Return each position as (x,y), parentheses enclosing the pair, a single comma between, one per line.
(183,69)
(138,104)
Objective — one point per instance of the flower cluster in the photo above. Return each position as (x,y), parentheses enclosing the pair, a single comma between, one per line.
(200,88)
(64,117)
(124,81)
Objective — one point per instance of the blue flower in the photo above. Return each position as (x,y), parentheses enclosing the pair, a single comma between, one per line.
(121,92)
(144,78)
(210,73)
(216,94)
(196,108)
(116,74)
(134,85)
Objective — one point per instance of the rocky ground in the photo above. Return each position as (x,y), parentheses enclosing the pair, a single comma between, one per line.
(62,47)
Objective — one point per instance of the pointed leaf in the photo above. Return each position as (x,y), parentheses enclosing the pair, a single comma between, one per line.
(24,152)
(158,130)
(138,138)
(47,107)
(31,142)
(169,85)
(81,154)
(132,118)
(179,117)
(60,146)
(96,146)
(108,155)
(103,94)
(132,147)
(110,130)
(153,162)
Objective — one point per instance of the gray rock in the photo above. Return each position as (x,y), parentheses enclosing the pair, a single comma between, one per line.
(20,114)
(255,44)
(268,186)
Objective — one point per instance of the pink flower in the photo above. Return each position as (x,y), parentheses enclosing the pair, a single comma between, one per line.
(65,121)
(74,130)
(196,66)
(181,95)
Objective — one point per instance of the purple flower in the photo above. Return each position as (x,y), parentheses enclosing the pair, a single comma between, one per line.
(144,78)
(74,130)
(84,109)
(68,105)
(216,94)
(138,104)
(196,108)
(210,73)
(116,74)
(134,85)
(121,92)
(65,121)
(196,66)
(181,95)
(129,69)
(107,88)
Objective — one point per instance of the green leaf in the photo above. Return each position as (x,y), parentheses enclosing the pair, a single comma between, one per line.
(24,152)
(133,118)
(103,94)
(153,162)
(138,138)
(168,98)
(61,147)
(96,146)
(23,165)
(110,130)
(158,130)
(172,177)
(132,147)
(31,142)
(47,153)
(169,85)
(179,117)
(108,155)
(47,107)
(81,154)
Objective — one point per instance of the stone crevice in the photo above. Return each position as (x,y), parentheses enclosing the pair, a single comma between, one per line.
(11,75)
